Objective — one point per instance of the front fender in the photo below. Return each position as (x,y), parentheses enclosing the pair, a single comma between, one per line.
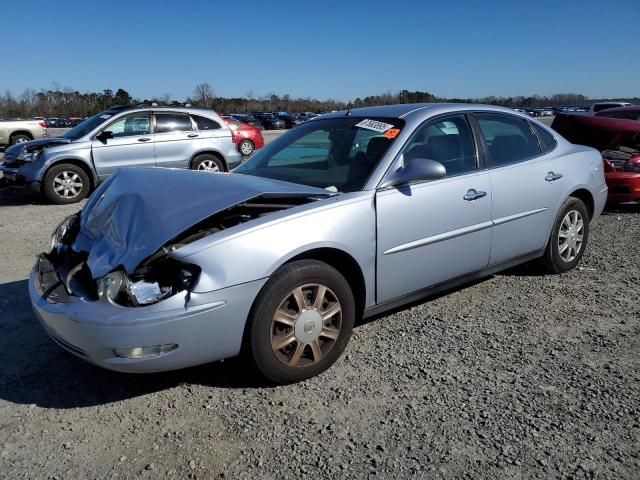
(257,253)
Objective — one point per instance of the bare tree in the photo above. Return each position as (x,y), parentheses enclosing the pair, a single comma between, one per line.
(204,95)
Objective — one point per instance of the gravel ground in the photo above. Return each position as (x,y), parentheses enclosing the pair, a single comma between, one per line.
(520,375)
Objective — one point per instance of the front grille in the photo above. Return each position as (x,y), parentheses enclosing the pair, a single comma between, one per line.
(50,283)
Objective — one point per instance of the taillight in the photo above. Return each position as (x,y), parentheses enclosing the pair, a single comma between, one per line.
(42,124)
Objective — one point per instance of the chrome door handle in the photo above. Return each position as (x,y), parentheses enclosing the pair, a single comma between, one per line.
(552,176)
(473,194)
(192,135)
(144,139)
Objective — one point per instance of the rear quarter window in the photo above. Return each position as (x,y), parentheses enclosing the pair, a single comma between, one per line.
(547,142)
(204,123)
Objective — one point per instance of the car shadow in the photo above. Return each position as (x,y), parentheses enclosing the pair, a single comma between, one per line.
(15,196)
(34,370)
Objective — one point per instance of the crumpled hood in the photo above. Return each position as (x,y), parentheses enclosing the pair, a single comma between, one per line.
(15,150)
(138,210)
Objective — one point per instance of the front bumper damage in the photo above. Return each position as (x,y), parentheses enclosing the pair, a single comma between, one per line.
(206,327)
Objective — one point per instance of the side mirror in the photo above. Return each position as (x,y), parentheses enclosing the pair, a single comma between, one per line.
(104,135)
(416,170)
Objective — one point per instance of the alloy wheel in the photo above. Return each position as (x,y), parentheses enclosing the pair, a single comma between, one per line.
(67,184)
(306,325)
(208,166)
(570,236)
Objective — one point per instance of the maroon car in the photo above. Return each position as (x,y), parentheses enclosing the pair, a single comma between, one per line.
(616,133)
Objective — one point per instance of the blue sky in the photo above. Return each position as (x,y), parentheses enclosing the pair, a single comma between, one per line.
(339,49)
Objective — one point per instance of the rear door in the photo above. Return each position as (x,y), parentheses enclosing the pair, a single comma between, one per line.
(211,134)
(527,184)
(176,139)
(131,145)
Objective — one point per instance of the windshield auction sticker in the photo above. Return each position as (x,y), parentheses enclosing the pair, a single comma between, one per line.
(374,125)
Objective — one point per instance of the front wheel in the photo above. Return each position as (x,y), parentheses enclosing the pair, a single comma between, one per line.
(568,238)
(301,321)
(66,183)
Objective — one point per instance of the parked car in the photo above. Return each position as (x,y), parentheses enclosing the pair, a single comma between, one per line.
(343,217)
(624,113)
(269,121)
(13,132)
(290,121)
(618,140)
(245,118)
(598,107)
(52,122)
(247,137)
(67,168)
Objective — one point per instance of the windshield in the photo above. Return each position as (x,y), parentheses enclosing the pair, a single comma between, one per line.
(87,126)
(338,154)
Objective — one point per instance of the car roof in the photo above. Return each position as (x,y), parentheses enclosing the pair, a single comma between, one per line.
(628,108)
(406,109)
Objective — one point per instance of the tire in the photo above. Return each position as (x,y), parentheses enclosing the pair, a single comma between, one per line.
(66,183)
(19,138)
(207,163)
(311,342)
(246,147)
(569,237)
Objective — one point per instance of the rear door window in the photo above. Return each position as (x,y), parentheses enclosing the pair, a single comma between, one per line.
(509,139)
(173,122)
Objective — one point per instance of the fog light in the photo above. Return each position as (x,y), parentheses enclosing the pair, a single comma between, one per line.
(141,352)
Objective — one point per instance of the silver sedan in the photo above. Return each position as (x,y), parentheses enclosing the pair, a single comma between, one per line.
(346,216)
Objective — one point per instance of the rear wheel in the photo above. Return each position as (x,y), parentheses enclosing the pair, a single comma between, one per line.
(301,321)
(246,147)
(207,163)
(568,238)
(66,183)
(19,138)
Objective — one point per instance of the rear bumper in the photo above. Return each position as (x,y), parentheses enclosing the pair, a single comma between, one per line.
(623,187)
(207,328)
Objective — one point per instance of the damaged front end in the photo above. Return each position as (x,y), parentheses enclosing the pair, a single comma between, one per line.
(64,272)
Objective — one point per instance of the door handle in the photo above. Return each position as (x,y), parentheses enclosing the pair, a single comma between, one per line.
(192,135)
(473,194)
(552,176)
(144,139)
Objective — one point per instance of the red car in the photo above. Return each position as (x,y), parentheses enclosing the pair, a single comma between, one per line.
(619,141)
(247,137)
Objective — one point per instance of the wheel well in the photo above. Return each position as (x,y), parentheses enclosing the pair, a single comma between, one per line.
(587,199)
(346,265)
(77,163)
(215,154)
(22,132)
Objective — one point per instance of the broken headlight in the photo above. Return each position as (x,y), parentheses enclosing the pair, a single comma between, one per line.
(147,285)
(65,233)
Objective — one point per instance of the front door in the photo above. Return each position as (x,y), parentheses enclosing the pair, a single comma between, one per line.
(131,145)
(431,232)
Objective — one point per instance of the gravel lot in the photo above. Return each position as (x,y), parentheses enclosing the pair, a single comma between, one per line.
(519,375)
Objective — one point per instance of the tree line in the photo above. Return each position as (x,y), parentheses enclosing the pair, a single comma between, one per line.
(66,102)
